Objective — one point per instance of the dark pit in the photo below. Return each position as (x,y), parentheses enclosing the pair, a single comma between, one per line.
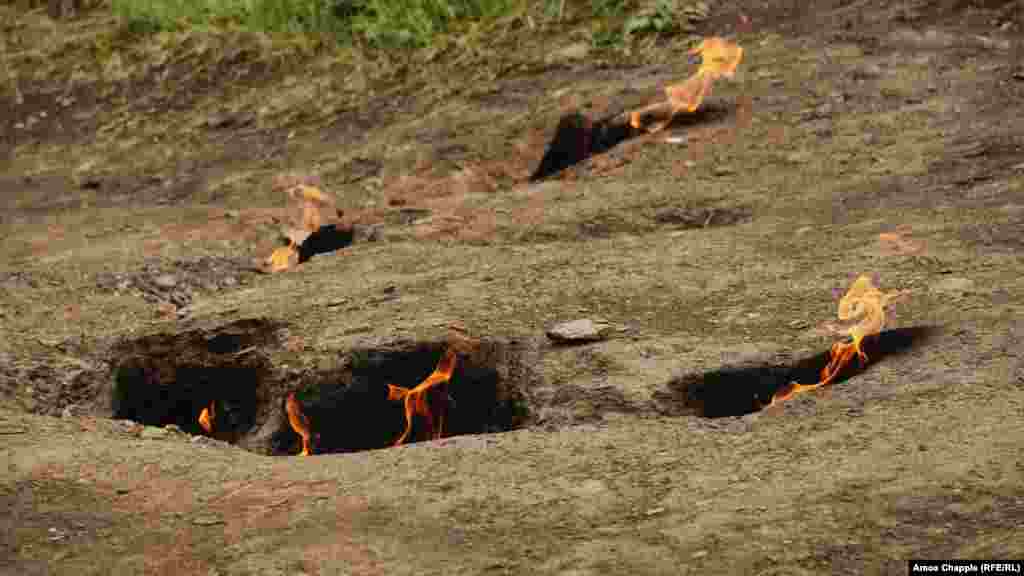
(741,390)
(325,240)
(164,379)
(170,378)
(578,138)
(349,410)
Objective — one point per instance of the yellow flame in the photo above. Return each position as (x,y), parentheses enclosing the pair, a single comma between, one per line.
(281,258)
(863,302)
(206,418)
(719,59)
(415,399)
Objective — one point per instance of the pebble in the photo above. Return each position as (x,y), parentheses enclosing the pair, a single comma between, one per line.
(583,330)
(166,281)
(954,285)
(153,433)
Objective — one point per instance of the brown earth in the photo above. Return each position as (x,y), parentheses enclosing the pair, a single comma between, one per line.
(137,191)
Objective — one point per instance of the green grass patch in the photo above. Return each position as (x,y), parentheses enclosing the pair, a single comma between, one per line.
(384,23)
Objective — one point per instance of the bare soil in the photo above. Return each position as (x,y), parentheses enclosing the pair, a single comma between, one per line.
(865,137)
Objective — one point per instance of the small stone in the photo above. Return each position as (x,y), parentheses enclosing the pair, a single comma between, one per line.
(723,170)
(699,554)
(798,157)
(577,51)
(69,411)
(867,71)
(654,511)
(955,285)
(207,521)
(153,433)
(583,330)
(166,281)
(173,428)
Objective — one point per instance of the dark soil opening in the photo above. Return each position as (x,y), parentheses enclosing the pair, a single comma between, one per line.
(326,239)
(167,379)
(349,410)
(737,391)
(578,138)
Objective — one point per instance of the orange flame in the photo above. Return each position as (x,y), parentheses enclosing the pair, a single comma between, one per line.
(299,423)
(317,208)
(206,418)
(281,259)
(415,399)
(719,59)
(863,300)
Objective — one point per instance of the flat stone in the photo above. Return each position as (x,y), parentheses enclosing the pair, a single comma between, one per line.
(577,51)
(166,281)
(153,433)
(583,330)
(954,285)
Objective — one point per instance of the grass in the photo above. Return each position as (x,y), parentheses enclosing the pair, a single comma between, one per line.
(383,23)
(390,23)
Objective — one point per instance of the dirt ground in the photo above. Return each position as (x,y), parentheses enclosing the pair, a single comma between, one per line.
(867,137)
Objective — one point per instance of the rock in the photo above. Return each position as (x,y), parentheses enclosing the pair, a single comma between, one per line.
(70,411)
(153,433)
(954,285)
(867,71)
(166,281)
(577,51)
(584,330)
(207,521)
(798,157)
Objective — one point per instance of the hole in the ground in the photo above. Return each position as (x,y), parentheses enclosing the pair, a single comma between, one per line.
(737,391)
(166,379)
(349,409)
(578,138)
(326,239)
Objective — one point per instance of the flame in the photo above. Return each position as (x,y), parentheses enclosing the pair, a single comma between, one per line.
(719,59)
(314,204)
(312,199)
(206,418)
(281,258)
(415,399)
(299,423)
(864,301)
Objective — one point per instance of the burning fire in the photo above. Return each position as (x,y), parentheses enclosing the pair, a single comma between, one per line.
(415,399)
(206,418)
(282,258)
(864,301)
(316,208)
(719,59)
(299,423)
